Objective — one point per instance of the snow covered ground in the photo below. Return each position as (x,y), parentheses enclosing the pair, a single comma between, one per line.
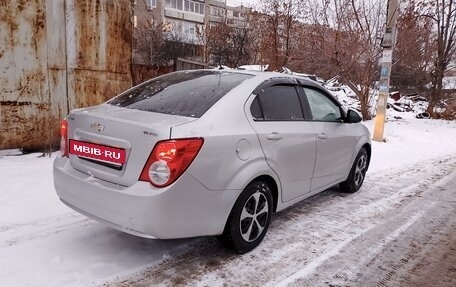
(44,243)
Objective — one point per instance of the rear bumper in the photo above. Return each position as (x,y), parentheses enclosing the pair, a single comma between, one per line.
(184,209)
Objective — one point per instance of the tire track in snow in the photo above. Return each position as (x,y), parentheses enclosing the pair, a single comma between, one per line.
(376,261)
(336,250)
(20,233)
(303,235)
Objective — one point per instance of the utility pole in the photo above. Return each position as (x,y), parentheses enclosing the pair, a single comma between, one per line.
(388,43)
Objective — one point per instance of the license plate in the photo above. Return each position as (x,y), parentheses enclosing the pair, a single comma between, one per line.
(97,152)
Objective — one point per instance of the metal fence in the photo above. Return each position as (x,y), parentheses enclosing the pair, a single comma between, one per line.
(185,64)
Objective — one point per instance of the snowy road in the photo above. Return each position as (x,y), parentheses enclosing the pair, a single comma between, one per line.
(398,230)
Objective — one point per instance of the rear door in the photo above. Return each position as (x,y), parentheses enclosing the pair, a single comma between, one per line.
(335,139)
(287,139)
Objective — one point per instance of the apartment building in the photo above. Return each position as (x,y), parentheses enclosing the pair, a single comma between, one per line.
(183,18)
(215,12)
(186,20)
(237,16)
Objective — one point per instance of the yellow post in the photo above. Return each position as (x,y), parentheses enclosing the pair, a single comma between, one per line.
(380,117)
(389,41)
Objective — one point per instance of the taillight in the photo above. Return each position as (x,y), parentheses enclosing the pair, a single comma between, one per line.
(64,138)
(169,160)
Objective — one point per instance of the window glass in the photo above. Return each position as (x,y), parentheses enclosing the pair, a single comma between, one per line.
(176,4)
(255,109)
(195,7)
(188,94)
(281,103)
(323,109)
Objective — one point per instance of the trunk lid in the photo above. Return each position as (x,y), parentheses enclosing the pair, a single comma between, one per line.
(131,130)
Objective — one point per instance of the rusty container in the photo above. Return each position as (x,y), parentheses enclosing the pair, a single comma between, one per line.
(56,56)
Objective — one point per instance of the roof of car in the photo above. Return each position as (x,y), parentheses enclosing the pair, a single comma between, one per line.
(266,74)
(302,80)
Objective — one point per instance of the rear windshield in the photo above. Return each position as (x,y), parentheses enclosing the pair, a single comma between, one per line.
(186,93)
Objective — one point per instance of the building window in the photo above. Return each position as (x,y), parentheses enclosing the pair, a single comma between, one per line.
(151,4)
(195,7)
(176,26)
(175,4)
(201,8)
(215,11)
(190,28)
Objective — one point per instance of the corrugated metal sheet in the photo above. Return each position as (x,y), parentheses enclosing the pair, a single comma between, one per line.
(56,56)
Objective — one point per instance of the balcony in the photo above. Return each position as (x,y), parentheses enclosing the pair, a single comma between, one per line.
(183,15)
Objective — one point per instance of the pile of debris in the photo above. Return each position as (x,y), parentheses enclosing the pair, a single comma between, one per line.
(409,103)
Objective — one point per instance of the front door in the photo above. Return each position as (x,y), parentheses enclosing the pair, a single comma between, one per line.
(287,139)
(335,141)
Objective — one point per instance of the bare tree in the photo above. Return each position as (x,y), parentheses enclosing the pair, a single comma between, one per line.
(156,45)
(347,33)
(414,50)
(242,42)
(277,19)
(443,15)
(216,39)
(231,45)
(260,46)
(312,54)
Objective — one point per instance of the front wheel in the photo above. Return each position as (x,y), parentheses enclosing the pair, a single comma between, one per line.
(249,219)
(357,173)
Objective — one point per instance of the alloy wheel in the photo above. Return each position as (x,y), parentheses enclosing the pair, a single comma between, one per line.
(360,170)
(254,216)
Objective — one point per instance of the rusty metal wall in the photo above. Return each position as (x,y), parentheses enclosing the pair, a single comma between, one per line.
(56,56)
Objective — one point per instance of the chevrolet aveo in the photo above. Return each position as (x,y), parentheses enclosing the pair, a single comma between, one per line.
(207,152)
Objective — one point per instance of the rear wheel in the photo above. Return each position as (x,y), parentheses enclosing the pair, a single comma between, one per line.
(249,219)
(357,173)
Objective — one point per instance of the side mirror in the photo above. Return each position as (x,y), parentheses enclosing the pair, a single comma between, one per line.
(353,117)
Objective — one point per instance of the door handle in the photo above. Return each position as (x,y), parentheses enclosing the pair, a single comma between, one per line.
(322,136)
(274,136)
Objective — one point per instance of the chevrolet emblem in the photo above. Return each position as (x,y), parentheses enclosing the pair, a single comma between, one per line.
(97,126)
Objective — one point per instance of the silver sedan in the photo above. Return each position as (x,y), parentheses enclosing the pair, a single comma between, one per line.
(207,152)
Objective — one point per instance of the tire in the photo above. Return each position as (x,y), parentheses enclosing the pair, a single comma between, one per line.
(357,173)
(249,219)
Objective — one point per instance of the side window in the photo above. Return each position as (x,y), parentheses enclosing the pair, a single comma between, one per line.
(278,103)
(255,109)
(323,109)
